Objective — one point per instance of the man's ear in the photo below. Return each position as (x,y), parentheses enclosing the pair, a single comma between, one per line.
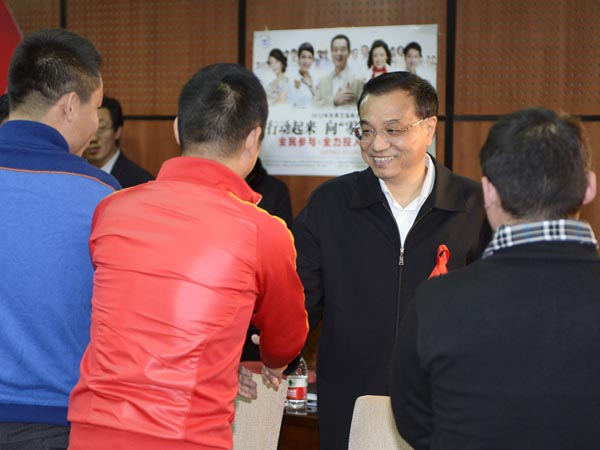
(249,154)
(493,204)
(252,143)
(176,130)
(118,133)
(490,194)
(590,191)
(70,104)
(431,125)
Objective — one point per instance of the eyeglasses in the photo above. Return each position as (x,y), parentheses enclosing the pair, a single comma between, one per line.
(367,135)
(103,129)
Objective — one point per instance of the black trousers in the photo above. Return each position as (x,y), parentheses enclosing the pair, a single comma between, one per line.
(33,436)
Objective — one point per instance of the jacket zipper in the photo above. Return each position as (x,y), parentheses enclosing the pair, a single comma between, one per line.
(401,264)
(400,267)
(401,261)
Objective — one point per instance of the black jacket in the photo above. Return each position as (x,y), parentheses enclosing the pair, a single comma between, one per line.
(504,354)
(275,193)
(349,260)
(129,173)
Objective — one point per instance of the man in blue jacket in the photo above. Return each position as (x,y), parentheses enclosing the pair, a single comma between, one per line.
(367,239)
(49,194)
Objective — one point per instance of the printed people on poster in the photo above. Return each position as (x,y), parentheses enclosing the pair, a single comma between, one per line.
(314,77)
(413,56)
(303,87)
(341,87)
(277,90)
(380,60)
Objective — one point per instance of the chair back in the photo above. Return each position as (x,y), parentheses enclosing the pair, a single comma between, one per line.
(258,422)
(373,426)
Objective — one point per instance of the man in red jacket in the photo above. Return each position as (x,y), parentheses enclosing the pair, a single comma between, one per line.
(182,264)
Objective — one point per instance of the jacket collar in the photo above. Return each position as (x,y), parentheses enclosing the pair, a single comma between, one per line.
(447,191)
(33,135)
(205,172)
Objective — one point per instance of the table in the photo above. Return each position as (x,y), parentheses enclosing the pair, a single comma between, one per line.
(299,432)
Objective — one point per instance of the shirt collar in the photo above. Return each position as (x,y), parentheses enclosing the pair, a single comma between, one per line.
(342,73)
(108,167)
(426,188)
(562,230)
(206,172)
(447,193)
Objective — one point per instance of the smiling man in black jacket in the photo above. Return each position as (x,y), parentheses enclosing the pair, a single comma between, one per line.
(367,239)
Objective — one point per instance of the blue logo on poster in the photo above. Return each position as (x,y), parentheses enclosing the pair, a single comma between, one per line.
(264,40)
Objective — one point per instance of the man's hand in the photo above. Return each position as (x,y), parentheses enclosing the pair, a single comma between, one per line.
(272,377)
(246,386)
(344,97)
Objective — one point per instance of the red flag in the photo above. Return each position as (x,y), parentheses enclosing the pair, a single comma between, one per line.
(10,36)
(443,256)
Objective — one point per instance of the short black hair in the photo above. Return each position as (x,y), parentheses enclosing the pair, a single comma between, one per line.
(48,64)
(4,107)
(279,56)
(306,46)
(413,46)
(341,36)
(376,44)
(221,104)
(114,108)
(423,93)
(538,161)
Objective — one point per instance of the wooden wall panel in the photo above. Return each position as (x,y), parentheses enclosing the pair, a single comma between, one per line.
(512,55)
(468,139)
(152,47)
(515,54)
(35,14)
(440,141)
(149,142)
(591,212)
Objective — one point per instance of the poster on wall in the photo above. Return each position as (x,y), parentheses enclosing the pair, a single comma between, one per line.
(313,82)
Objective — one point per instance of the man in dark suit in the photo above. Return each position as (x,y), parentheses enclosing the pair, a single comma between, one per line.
(104,152)
(503,354)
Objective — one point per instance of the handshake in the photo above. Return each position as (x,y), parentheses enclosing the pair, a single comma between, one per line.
(270,376)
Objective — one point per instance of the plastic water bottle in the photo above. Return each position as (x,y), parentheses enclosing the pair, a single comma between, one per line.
(298,388)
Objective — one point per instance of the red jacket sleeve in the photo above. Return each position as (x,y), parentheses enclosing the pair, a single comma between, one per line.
(279,313)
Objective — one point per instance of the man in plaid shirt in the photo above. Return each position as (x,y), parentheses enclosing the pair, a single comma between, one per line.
(504,353)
